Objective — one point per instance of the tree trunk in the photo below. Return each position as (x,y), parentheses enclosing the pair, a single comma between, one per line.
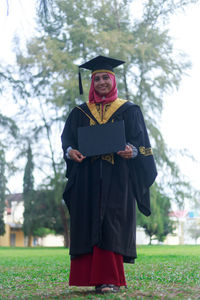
(125,84)
(29,240)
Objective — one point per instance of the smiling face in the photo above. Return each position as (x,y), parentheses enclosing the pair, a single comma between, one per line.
(102,83)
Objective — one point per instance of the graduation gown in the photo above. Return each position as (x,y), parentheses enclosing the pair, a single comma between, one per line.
(101,192)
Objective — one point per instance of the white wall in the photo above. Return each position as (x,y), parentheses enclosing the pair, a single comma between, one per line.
(51,241)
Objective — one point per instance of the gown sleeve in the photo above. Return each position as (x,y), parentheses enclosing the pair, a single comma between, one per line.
(69,135)
(142,169)
(69,139)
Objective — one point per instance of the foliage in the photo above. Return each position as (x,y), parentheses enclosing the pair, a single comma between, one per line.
(8,82)
(159,224)
(8,137)
(46,211)
(76,31)
(28,196)
(160,272)
(41,207)
(44,207)
(8,140)
(42,232)
(28,184)
(2,191)
(56,215)
(9,125)
(194,230)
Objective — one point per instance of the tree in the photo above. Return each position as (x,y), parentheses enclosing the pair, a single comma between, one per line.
(76,31)
(7,125)
(48,213)
(28,196)
(159,224)
(2,191)
(194,231)
(42,232)
(9,133)
(83,29)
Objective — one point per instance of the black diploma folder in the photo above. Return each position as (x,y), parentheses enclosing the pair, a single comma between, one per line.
(101,139)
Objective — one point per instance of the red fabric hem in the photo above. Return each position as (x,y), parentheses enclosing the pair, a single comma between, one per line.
(99,267)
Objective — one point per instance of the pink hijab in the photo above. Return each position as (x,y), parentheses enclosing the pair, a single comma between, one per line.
(94,97)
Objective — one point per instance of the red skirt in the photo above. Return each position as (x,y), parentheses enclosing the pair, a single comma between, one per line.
(99,267)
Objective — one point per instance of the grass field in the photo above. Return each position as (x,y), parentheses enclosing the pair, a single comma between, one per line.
(160,272)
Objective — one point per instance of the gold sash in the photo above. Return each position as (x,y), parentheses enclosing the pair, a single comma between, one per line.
(103,117)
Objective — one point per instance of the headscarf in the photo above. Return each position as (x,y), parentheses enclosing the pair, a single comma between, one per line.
(94,97)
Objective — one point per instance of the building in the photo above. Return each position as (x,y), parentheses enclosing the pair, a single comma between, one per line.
(187,223)
(14,235)
(13,219)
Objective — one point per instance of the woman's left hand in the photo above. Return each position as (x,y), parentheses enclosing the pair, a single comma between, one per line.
(127,153)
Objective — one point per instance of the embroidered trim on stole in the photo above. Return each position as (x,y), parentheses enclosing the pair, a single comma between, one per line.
(107,113)
(92,122)
(145,151)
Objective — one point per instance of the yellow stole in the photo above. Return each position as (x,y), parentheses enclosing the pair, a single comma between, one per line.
(108,110)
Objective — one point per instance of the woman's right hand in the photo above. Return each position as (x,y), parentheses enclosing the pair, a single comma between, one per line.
(76,155)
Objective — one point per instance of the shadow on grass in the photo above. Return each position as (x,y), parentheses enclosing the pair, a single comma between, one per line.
(108,296)
(162,292)
(92,294)
(89,293)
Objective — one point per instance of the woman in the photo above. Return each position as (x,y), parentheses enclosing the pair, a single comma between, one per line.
(102,190)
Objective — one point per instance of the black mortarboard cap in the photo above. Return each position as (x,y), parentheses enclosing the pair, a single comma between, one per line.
(101,139)
(99,63)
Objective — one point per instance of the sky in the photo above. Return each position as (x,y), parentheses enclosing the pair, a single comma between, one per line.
(181,116)
(180,123)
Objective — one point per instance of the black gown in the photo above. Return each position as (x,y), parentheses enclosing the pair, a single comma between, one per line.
(101,192)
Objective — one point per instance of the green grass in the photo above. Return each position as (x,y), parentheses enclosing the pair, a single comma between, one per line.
(160,272)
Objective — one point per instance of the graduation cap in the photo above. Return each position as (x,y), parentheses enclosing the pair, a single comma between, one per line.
(99,64)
